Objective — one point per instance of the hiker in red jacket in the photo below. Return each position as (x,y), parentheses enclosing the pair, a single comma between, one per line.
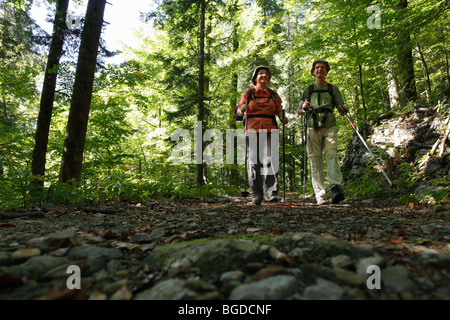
(260,106)
(318,101)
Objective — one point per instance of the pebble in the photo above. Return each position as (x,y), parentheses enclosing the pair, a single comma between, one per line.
(279,287)
(324,290)
(292,265)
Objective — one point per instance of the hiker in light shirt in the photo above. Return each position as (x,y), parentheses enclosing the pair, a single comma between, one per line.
(318,101)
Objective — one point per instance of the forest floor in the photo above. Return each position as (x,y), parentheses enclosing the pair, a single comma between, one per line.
(415,237)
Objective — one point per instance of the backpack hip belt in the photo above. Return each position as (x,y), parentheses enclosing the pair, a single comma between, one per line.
(325,112)
(321,109)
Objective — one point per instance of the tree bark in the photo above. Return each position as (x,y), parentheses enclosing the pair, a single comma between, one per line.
(201,85)
(406,63)
(72,158)
(48,94)
(425,68)
(447,68)
(361,83)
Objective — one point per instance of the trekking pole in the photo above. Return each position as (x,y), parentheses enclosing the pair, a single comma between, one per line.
(305,156)
(367,147)
(284,164)
(245,194)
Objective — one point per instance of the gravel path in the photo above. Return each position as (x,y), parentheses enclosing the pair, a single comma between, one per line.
(222,249)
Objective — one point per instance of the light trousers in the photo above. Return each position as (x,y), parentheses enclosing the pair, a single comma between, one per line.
(263,164)
(323,142)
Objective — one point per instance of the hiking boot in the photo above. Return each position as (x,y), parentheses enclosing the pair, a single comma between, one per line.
(274,199)
(255,202)
(336,195)
(321,201)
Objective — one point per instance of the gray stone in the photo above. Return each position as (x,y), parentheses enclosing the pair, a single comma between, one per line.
(364,263)
(141,238)
(300,253)
(435,258)
(5,258)
(22,255)
(341,261)
(278,287)
(348,277)
(171,289)
(324,290)
(36,267)
(65,238)
(157,234)
(321,245)
(82,253)
(232,276)
(211,257)
(396,278)
(96,262)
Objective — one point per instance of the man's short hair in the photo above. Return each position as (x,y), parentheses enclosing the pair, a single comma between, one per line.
(327,65)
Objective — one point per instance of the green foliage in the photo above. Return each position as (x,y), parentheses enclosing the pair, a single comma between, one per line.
(139,104)
(368,185)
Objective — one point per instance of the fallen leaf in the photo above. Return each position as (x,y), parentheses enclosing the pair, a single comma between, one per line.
(68,294)
(122,294)
(174,237)
(98,295)
(6,225)
(8,279)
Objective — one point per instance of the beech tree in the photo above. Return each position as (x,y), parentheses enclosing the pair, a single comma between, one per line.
(48,93)
(405,59)
(193,66)
(72,157)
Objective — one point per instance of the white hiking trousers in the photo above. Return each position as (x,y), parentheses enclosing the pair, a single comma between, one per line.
(323,141)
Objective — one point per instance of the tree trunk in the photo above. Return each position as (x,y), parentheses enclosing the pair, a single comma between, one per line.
(234,83)
(362,96)
(447,68)
(394,99)
(201,86)
(425,68)
(74,142)
(406,63)
(48,94)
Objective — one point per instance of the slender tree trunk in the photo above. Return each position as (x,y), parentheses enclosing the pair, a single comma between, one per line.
(201,85)
(394,99)
(361,84)
(48,94)
(446,54)
(362,96)
(406,63)
(385,101)
(234,172)
(425,68)
(74,142)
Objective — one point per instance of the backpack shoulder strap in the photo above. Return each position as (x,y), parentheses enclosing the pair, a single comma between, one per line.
(330,91)
(311,90)
(272,94)
(249,91)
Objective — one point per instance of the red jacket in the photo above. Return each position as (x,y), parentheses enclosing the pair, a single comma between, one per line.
(264,103)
